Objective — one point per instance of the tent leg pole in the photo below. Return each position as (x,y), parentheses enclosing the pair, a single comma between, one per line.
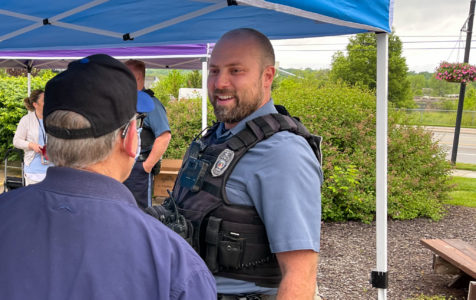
(29,83)
(381,172)
(204,94)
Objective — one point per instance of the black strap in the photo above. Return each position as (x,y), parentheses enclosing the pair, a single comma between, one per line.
(69,134)
(212,189)
(265,126)
(212,239)
(244,138)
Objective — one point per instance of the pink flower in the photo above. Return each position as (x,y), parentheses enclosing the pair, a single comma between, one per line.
(456,72)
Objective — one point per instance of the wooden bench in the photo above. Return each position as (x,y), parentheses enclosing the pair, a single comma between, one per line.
(165,180)
(454,256)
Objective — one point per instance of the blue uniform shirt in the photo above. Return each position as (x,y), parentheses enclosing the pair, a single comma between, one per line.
(157,118)
(80,235)
(281,178)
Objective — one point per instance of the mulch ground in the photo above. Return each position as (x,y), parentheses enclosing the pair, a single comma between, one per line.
(348,256)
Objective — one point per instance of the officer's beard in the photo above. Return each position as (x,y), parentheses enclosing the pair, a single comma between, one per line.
(244,105)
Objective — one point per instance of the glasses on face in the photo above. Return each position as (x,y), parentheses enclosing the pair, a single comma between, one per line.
(139,123)
(140,120)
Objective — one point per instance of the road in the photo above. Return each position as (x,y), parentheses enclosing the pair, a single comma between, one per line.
(466,146)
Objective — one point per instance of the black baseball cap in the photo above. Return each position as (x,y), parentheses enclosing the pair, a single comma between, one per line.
(98,87)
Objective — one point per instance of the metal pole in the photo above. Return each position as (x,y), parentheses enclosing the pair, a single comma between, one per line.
(204,93)
(462,89)
(379,277)
(29,83)
(28,69)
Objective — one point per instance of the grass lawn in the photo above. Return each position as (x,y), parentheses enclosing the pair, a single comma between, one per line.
(464,193)
(463,166)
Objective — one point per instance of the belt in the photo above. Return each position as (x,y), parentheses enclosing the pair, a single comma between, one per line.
(246,297)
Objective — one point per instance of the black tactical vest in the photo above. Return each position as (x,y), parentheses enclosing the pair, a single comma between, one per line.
(147,136)
(231,238)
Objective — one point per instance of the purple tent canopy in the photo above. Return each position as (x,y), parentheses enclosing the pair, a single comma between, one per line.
(185,57)
(159,57)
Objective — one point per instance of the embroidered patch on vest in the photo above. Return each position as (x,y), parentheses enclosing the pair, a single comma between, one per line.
(222,163)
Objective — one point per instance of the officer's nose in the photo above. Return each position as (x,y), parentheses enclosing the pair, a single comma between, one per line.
(221,81)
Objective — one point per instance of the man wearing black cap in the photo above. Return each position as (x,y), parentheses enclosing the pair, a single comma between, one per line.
(79,234)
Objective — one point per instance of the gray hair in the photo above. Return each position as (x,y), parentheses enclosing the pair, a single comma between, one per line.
(77,153)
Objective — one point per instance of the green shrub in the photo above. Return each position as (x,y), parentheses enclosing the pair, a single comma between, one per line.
(185,120)
(417,174)
(168,86)
(345,117)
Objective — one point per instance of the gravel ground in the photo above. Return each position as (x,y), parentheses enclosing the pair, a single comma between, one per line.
(348,256)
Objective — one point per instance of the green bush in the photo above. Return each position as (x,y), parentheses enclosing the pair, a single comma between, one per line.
(185,120)
(12,92)
(168,86)
(345,117)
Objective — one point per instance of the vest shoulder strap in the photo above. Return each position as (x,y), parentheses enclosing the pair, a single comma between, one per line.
(265,126)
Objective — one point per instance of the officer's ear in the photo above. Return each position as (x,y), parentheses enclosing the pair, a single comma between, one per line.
(130,139)
(268,76)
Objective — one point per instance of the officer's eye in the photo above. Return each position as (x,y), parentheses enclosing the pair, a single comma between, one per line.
(236,70)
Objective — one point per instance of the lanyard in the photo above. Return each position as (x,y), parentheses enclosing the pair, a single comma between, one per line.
(42,129)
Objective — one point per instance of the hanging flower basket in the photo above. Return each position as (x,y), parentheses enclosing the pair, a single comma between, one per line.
(456,72)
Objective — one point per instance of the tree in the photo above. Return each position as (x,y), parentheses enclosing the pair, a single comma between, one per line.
(417,82)
(194,79)
(359,67)
(168,86)
(440,88)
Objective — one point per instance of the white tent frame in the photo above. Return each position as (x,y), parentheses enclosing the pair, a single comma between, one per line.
(381,171)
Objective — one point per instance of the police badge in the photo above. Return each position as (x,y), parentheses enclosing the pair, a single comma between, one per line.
(222,163)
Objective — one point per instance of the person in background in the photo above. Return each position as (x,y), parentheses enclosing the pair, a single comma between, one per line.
(79,234)
(31,138)
(155,138)
(251,185)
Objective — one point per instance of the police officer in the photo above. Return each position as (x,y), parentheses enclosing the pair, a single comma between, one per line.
(155,138)
(251,185)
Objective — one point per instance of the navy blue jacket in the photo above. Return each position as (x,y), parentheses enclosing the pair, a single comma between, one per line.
(80,235)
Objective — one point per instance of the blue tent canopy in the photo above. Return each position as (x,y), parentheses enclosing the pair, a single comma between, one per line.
(77,24)
(91,24)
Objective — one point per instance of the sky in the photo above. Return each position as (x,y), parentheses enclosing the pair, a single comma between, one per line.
(429,30)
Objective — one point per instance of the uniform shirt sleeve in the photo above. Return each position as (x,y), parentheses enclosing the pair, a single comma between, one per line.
(157,119)
(281,177)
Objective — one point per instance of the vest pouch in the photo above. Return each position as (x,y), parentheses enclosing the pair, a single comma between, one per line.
(212,238)
(230,253)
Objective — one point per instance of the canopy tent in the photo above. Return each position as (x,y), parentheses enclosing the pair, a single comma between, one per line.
(185,57)
(85,24)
